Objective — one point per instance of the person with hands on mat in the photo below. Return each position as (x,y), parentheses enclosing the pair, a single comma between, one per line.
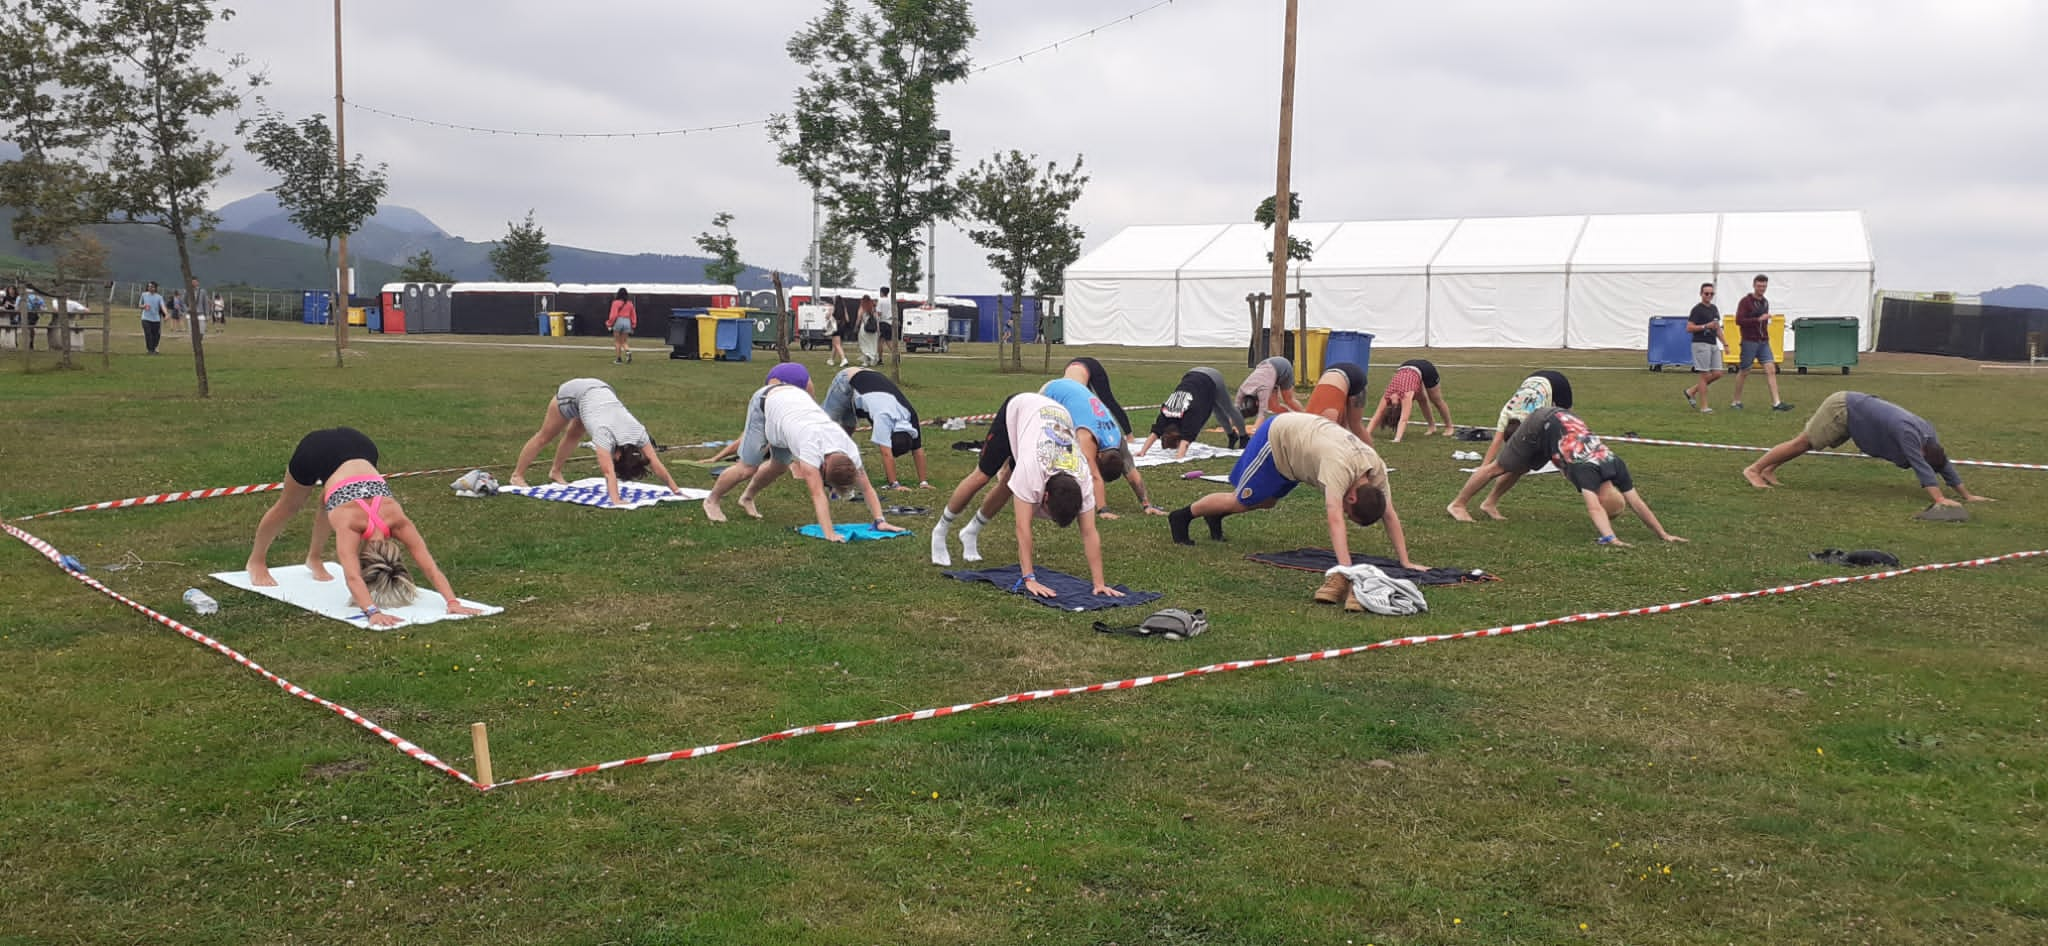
(1101,443)
(1562,438)
(1416,380)
(1268,390)
(1288,450)
(1090,372)
(1199,396)
(1541,389)
(1339,397)
(1030,454)
(1881,429)
(793,434)
(588,406)
(370,529)
(865,392)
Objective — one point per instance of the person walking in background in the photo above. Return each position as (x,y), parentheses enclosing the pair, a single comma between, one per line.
(1705,325)
(174,306)
(845,328)
(1753,317)
(194,304)
(152,318)
(220,311)
(32,303)
(869,333)
(620,323)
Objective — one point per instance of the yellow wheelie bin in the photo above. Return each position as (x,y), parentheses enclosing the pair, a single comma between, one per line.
(1731,339)
(1309,366)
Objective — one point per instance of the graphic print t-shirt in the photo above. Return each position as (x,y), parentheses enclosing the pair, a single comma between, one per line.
(1042,439)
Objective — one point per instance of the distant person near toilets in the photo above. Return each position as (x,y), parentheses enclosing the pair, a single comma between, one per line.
(620,323)
(1705,325)
(1753,318)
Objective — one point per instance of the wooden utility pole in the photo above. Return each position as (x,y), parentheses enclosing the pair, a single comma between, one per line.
(339,311)
(1282,188)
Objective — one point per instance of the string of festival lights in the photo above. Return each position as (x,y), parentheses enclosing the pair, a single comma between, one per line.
(727,126)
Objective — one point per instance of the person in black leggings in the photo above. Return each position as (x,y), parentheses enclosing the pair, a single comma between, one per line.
(1090,372)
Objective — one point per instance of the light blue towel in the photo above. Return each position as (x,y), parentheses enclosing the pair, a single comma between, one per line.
(852,533)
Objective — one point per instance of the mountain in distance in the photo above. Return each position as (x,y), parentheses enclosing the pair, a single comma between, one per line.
(138,253)
(396,233)
(2024,296)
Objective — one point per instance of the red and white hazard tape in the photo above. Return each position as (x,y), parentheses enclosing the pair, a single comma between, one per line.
(158,499)
(431,761)
(417,754)
(1212,669)
(1819,453)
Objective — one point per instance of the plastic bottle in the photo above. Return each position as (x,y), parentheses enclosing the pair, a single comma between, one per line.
(201,602)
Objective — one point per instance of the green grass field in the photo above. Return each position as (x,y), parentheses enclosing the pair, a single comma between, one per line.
(1861,764)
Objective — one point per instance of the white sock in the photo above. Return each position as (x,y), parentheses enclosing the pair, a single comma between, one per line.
(940,554)
(970,538)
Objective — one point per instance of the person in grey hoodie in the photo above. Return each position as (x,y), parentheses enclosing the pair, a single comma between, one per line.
(1881,429)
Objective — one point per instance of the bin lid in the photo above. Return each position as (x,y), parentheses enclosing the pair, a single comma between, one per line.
(1824,320)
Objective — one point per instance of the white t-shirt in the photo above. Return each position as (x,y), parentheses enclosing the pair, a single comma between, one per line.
(797,424)
(1041,444)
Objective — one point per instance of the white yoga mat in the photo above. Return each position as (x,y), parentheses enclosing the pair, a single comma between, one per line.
(295,586)
(1159,455)
(589,491)
(1547,468)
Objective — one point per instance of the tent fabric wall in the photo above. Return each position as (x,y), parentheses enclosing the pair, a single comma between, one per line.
(1521,282)
(1373,276)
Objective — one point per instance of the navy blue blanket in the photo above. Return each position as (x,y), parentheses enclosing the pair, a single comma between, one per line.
(1070,593)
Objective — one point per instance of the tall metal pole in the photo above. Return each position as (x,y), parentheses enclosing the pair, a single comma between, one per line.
(1282,189)
(931,263)
(340,309)
(817,246)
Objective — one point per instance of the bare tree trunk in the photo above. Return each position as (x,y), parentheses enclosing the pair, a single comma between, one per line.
(782,326)
(1283,197)
(198,334)
(61,325)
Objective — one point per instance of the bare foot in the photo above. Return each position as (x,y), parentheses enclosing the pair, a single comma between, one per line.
(711,510)
(747,503)
(1458,512)
(557,478)
(259,575)
(318,570)
(519,481)
(1772,478)
(1492,512)
(1755,478)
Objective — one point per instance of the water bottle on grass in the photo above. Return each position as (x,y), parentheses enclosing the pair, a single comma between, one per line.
(201,602)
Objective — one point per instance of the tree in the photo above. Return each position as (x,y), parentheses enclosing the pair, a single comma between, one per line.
(864,132)
(326,199)
(138,81)
(523,254)
(420,267)
(81,261)
(835,256)
(1264,216)
(1019,214)
(725,267)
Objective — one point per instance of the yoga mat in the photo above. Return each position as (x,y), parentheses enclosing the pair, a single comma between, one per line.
(1322,560)
(862,532)
(296,587)
(589,491)
(1070,593)
(1159,455)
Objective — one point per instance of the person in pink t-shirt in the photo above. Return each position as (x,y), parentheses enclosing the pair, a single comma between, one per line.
(620,324)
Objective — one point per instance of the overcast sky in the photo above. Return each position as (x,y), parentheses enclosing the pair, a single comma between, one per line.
(1927,116)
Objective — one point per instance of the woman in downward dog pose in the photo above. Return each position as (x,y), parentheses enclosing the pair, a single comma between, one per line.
(588,406)
(370,529)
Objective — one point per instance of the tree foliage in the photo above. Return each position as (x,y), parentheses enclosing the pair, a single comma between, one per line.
(421,267)
(325,199)
(522,255)
(724,268)
(119,113)
(864,133)
(835,256)
(1018,212)
(1296,249)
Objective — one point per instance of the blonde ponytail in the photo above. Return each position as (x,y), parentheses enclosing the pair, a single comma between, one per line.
(385,573)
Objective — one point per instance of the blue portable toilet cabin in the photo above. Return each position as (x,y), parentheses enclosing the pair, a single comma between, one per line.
(994,310)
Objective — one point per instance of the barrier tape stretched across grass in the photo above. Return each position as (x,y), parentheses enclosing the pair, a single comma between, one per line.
(428,759)
(1816,453)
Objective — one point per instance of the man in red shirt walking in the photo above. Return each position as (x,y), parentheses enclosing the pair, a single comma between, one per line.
(1753,317)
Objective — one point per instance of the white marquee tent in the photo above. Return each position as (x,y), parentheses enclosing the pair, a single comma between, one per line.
(1513,282)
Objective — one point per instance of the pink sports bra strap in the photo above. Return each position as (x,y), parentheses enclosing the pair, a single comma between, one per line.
(378,528)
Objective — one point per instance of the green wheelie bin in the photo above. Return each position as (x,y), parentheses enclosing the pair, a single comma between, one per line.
(1824,342)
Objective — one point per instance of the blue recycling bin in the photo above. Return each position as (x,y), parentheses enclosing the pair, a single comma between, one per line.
(375,317)
(1352,347)
(545,324)
(735,339)
(1670,342)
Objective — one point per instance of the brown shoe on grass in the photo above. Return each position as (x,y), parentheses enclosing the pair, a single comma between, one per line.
(1335,588)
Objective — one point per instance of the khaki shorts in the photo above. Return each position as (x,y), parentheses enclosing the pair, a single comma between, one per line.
(1828,428)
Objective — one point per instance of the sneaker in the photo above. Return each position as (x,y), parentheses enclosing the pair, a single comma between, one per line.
(629,358)
(1781,406)
(1689,399)
(1735,405)
(1706,410)
(619,362)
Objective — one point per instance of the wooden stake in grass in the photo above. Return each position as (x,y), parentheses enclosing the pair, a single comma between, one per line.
(481,740)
